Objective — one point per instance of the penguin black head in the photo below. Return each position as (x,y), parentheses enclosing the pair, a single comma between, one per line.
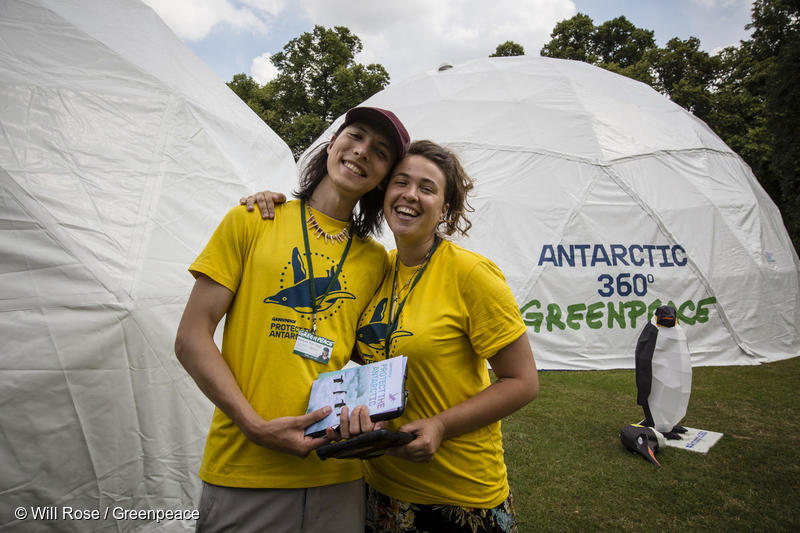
(666,316)
(642,440)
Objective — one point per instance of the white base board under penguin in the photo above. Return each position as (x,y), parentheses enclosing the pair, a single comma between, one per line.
(696,440)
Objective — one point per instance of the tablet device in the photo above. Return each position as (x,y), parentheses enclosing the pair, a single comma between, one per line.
(365,446)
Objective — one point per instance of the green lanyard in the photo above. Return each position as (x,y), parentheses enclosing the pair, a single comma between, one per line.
(312,289)
(391,323)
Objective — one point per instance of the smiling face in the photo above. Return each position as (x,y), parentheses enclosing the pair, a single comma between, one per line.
(359,158)
(414,202)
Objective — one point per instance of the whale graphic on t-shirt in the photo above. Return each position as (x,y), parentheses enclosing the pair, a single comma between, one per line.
(298,296)
(373,334)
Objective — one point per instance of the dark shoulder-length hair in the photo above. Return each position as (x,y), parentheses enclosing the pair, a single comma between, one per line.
(457,185)
(368,218)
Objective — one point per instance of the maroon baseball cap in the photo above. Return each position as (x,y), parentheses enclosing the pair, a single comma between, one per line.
(388,120)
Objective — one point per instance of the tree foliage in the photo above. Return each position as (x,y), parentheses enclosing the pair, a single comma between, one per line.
(318,80)
(618,41)
(615,45)
(776,48)
(685,73)
(747,94)
(572,39)
(507,49)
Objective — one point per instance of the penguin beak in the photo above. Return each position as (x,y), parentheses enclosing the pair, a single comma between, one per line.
(645,449)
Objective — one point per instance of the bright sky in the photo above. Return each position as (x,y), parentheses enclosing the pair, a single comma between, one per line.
(411,36)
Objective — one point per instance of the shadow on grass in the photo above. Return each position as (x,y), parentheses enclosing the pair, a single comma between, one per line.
(569,472)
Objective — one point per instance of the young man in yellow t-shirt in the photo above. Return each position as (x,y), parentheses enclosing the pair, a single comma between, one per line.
(287,287)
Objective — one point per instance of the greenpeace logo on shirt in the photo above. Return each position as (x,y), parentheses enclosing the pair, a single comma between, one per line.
(283,328)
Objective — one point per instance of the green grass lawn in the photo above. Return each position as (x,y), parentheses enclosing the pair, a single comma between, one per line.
(569,472)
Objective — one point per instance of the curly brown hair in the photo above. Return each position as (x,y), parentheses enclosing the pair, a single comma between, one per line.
(457,185)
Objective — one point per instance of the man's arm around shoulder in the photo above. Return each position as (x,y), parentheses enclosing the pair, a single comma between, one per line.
(199,355)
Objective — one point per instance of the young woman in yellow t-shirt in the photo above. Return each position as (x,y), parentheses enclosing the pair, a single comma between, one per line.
(448,310)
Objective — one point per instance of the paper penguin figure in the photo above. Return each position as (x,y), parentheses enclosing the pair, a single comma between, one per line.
(663,373)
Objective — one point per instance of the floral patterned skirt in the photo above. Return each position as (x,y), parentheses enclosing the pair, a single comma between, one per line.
(388,515)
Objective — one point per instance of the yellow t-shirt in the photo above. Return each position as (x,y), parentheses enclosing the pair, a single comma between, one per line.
(264,263)
(459,313)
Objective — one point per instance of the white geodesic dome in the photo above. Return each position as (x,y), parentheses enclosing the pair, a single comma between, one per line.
(120,152)
(600,198)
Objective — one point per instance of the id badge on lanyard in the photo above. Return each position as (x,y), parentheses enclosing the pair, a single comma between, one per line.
(313,347)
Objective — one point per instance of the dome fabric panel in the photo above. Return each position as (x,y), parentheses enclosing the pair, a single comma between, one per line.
(601,199)
(120,152)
